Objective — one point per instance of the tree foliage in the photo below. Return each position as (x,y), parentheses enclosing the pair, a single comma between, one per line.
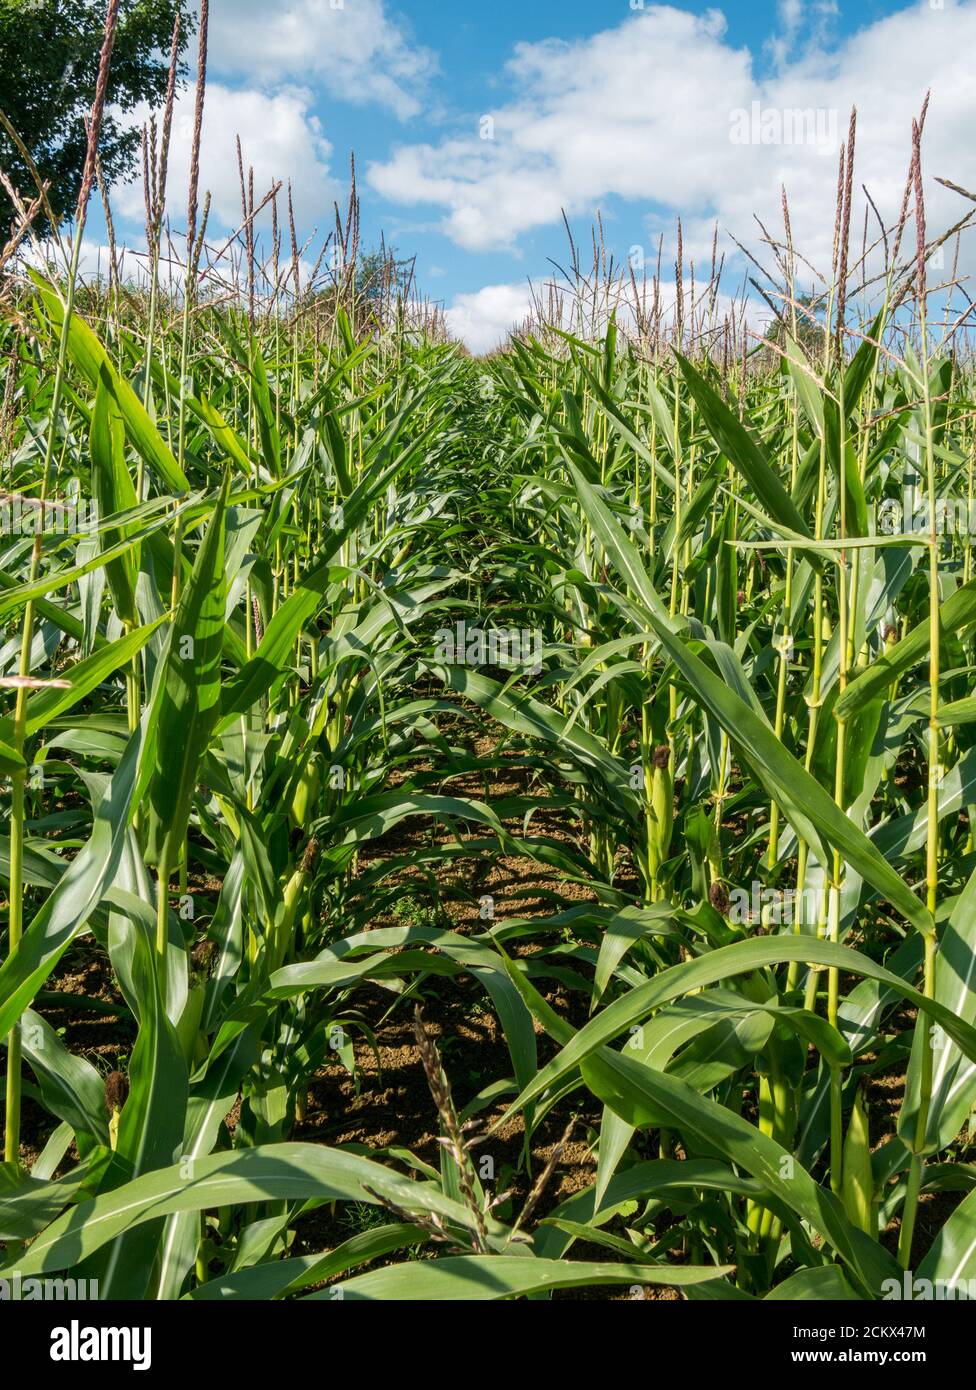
(49,53)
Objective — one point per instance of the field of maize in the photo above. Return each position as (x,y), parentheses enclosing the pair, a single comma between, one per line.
(486,828)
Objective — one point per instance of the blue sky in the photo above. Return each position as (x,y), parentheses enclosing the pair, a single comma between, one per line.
(624,108)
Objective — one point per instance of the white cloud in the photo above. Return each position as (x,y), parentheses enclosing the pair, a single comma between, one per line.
(484,319)
(806,20)
(644,111)
(354,48)
(592,117)
(358,49)
(93,261)
(280,137)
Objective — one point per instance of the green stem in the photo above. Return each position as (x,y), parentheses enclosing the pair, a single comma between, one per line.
(162,912)
(11,1143)
(932,837)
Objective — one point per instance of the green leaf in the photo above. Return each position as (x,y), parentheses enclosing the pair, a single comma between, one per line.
(741,449)
(282,1277)
(613,1075)
(150,1125)
(85,676)
(955,614)
(93,362)
(953,1080)
(70,1087)
(114,493)
(188,693)
(810,809)
(722,964)
(272,1172)
(477,1278)
(77,894)
(952,1255)
(825,1284)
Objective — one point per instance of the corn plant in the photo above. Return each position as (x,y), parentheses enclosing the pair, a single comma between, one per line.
(235,686)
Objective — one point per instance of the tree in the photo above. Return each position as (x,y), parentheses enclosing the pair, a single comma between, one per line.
(48,68)
(382,277)
(380,280)
(809,326)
